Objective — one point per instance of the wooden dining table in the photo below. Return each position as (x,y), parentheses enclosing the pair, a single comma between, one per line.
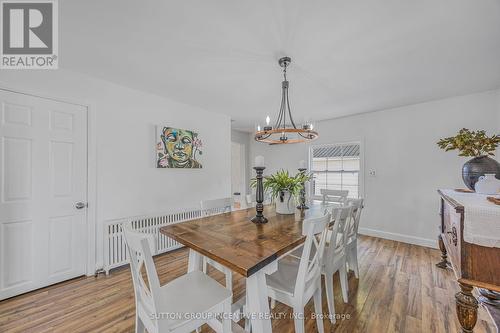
(249,249)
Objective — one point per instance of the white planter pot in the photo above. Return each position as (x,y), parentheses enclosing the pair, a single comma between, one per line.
(487,184)
(287,206)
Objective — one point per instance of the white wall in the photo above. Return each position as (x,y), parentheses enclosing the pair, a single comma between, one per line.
(400,144)
(123,130)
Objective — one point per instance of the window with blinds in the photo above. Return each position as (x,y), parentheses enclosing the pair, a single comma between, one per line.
(336,167)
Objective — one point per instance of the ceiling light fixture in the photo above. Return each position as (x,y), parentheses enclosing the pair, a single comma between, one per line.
(282,132)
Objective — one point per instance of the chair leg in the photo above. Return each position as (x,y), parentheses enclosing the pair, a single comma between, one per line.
(318,308)
(248,327)
(354,260)
(329,297)
(343,282)
(349,259)
(299,319)
(139,326)
(226,318)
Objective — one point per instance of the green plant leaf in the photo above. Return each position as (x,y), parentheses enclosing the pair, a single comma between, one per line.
(281,182)
(471,143)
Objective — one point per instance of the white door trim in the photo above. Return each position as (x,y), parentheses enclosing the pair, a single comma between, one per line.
(91,263)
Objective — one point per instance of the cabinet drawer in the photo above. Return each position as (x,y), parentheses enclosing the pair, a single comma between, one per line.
(451,236)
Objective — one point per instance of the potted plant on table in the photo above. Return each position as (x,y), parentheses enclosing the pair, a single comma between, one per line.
(282,187)
(478,145)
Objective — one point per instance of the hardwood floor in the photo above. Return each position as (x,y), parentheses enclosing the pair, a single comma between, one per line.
(399,290)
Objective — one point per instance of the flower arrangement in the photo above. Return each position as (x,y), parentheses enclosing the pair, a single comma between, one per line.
(471,143)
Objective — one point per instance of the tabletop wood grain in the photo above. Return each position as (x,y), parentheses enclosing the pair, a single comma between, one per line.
(234,241)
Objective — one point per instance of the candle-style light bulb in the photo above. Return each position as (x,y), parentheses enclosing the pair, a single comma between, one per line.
(258,128)
(268,120)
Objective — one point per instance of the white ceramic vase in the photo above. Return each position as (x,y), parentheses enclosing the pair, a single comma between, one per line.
(287,206)
(487,184)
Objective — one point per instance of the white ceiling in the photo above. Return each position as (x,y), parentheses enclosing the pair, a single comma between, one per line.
(347,56)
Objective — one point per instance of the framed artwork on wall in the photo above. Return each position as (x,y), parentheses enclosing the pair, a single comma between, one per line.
(177,148)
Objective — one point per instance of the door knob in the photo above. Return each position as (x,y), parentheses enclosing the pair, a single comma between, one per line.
(80,205)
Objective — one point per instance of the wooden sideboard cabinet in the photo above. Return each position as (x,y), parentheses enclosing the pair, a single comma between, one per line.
(474,265)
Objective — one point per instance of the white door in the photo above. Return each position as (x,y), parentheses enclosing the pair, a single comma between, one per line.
(43,174)
(235,167)
(238,171)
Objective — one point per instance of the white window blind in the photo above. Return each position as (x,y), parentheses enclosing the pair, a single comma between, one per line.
(336,167)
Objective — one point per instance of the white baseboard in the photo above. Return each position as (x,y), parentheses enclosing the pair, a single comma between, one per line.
(432,243)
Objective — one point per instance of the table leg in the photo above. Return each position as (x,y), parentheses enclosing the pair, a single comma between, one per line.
(444,255)
(258,305)
(466,308)
(195,261)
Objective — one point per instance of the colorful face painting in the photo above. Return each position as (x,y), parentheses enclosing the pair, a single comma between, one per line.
(178,148)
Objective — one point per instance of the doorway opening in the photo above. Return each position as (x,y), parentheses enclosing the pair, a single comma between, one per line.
(238,173)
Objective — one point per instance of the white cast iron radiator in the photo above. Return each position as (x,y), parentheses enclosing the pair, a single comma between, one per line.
(115,250)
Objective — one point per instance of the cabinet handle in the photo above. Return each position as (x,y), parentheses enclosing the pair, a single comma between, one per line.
(454,237)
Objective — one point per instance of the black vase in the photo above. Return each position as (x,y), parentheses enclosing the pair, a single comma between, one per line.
(477,167)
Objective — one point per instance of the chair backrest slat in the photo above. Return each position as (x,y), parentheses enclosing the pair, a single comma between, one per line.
(339,196)
(342,218)
(357,207)
(215,206)
(310,269)
(140,247)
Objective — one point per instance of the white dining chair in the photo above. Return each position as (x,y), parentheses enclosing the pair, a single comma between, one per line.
(352,236)
(298,280)
(209,208)
(335,258)
(216,206)
(170,308)
(334,196)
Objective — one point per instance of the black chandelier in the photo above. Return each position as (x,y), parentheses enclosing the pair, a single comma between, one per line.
(281,132)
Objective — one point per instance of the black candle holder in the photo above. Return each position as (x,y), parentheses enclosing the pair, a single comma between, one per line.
(259,197)
(302,204)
